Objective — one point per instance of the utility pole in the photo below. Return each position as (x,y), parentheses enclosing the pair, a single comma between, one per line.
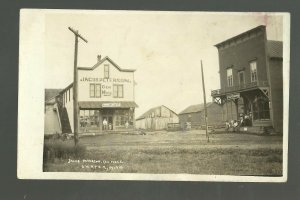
(75,86)
(205,110)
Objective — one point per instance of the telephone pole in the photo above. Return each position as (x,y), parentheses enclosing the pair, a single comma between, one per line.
(205,110)
(75,85)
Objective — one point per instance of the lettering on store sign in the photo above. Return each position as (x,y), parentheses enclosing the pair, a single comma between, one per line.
(105,80)
(111,105)
(106,90)
(233,96)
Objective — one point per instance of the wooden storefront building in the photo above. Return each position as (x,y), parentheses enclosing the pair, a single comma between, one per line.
(105,99)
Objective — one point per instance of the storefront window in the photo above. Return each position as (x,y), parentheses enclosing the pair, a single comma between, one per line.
(89,118)
(123,116)
(261,108)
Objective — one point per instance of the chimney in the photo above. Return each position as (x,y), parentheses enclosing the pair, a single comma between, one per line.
(98,58)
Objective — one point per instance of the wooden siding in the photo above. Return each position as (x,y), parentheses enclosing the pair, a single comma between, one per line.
(157,119)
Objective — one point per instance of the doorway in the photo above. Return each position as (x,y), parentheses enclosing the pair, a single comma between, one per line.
(108,122)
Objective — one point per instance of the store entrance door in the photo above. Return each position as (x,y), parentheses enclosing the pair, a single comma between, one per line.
(108,122)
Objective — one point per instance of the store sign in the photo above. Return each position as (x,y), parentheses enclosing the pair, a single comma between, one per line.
(105,80)
(106,90)
(233,96)
(111,105)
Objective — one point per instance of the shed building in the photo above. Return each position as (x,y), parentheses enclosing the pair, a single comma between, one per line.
(157,118)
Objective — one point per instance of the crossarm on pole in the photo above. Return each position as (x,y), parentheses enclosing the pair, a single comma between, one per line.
(77,34)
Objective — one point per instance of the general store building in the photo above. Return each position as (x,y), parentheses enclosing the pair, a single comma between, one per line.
(105,93)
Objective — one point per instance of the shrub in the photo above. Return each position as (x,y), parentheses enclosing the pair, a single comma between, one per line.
(57,136)
(57,149)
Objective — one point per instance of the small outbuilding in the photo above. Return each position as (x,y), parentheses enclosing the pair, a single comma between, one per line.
(156,118)
(195,115)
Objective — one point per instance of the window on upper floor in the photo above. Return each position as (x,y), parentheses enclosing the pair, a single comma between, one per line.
(229,77)
(118,91)
(98,90)
(241,78)
(253,70)
(106,71)
(95,90)
(92,90)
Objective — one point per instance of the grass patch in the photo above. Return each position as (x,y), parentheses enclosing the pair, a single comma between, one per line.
(56,149)
(179,153)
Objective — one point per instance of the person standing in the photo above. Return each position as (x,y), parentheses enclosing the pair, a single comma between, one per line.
(104,124)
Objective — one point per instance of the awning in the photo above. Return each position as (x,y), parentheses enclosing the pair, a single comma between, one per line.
(107,104)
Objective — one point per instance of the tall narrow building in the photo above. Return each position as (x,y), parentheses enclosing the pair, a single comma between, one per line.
(250,68)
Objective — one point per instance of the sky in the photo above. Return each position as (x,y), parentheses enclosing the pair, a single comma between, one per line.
(165,48)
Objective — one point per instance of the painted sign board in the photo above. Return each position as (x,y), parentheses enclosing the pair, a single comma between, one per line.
(233,96)
(111,105)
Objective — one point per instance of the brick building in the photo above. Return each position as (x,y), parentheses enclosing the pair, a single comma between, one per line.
(250,68)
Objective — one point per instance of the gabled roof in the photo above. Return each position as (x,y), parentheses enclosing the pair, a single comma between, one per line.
(146,114)
(101,61)
(275,49)
(195,108)
(50,93)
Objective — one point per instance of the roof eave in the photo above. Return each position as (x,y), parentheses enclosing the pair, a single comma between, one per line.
(239,35)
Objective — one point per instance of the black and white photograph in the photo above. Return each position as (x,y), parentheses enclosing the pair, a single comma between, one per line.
(153,95)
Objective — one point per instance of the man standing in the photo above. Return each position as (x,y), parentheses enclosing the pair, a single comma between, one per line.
(105,124)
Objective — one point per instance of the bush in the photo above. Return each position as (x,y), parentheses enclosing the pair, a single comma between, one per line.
(57,136)
(57,149)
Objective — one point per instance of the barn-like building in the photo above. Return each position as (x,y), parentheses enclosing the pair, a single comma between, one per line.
(195,115)
(156,118)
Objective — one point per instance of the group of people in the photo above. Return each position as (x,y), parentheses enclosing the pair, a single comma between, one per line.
(84,123)
(236,124)
(108,126)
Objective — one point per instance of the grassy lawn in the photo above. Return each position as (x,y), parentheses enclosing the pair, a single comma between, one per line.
(177,152)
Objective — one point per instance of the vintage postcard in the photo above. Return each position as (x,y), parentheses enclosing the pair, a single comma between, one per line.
(153,95)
